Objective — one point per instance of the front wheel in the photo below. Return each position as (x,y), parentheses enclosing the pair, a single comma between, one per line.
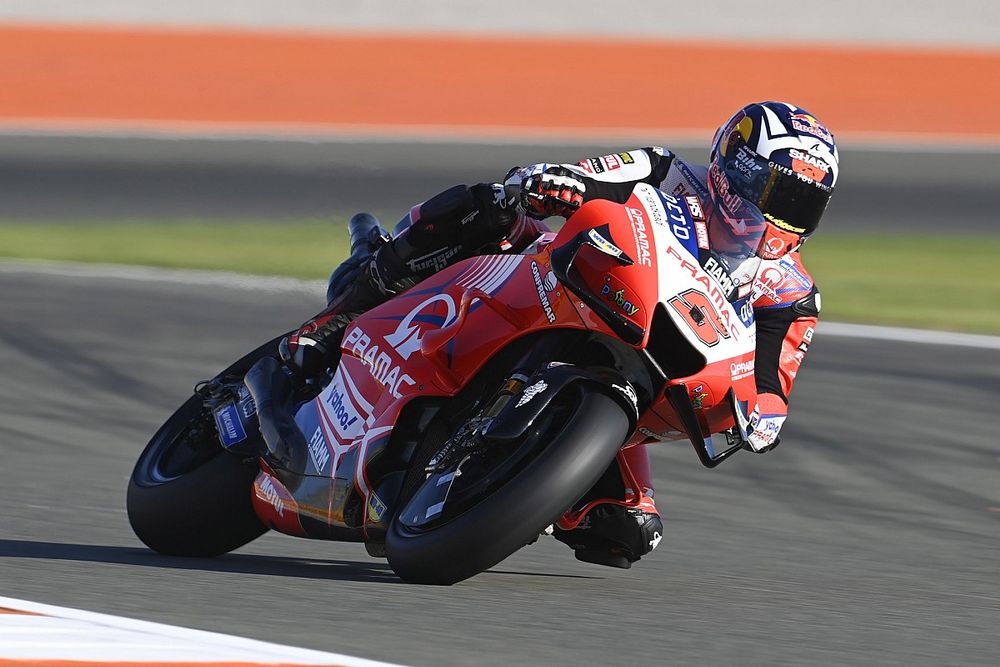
(501,507)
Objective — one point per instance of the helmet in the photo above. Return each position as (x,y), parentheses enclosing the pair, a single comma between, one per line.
(772,170)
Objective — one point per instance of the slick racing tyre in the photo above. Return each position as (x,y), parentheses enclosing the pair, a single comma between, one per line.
(187,496)
(506,504)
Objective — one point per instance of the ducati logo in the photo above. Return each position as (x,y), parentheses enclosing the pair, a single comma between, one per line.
(406,338)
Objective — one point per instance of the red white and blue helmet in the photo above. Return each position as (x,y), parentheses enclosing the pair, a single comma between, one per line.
(783,161)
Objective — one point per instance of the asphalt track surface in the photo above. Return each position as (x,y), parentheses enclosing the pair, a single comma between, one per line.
(868,537)
(67,178)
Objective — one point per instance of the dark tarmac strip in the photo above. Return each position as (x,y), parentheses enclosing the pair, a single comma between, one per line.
(75,178)
(869,537)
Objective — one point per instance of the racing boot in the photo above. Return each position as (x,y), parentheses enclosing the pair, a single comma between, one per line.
(613,535)
(620,522)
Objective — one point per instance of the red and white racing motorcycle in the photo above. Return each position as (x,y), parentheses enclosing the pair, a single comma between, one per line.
(471,412)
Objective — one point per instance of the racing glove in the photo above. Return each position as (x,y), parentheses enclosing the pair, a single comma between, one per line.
(766,421)
(556,191)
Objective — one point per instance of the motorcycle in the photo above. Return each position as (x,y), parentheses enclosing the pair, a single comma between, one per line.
(470,413)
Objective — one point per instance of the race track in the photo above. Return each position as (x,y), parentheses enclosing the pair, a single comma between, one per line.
(868,537)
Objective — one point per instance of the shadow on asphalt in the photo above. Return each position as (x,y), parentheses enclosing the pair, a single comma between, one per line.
(278,566)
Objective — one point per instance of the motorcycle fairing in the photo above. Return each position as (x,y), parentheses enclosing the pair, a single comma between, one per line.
(431,340)
(428,342)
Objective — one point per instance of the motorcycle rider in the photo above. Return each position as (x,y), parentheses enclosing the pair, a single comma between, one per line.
(774,157)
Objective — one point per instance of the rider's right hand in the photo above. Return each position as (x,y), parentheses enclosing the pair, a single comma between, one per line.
(555,191)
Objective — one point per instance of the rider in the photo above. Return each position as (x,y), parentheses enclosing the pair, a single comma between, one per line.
(773,156)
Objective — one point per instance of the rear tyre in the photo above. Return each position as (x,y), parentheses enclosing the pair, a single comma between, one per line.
(187,496)
(574,453)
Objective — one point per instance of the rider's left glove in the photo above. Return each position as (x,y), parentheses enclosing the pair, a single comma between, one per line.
(766,421)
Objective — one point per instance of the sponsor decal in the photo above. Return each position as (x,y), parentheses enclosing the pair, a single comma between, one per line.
(701,234)
(376,508)
(318,451)
(406,338)
(543,297)
(436,260)
(231,430)
(247,406)
(592,165)
(651,199)
(781,224)
(698,396)
(811,167)
(531,392)
(803,122)
(807,335)
(618,298)
(741,369)
(716,270)
(604,245)
(730,200)
(550,281)
(694,206)
(379,363)
(668,435)
(628,392)
(639,233)
(692,180)
(341,411)
(745,163)
(611,162)
(626,158)
(272,497)
(775,246)
(745,311)
(767,284)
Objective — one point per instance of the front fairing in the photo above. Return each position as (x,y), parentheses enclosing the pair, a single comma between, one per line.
(677,279)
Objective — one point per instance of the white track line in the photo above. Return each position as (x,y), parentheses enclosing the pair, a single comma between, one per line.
(316,287)
(40,634)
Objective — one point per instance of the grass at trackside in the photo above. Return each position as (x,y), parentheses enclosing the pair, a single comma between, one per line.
(945,282)
(301,249)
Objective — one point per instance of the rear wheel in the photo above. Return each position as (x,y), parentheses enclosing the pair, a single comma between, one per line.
(187,496)
(505,495)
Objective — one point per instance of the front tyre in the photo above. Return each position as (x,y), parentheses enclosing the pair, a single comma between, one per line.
(573,453)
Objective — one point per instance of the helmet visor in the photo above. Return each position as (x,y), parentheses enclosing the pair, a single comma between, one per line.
(794,200)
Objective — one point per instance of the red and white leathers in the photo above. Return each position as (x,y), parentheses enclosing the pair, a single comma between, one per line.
(786,301)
